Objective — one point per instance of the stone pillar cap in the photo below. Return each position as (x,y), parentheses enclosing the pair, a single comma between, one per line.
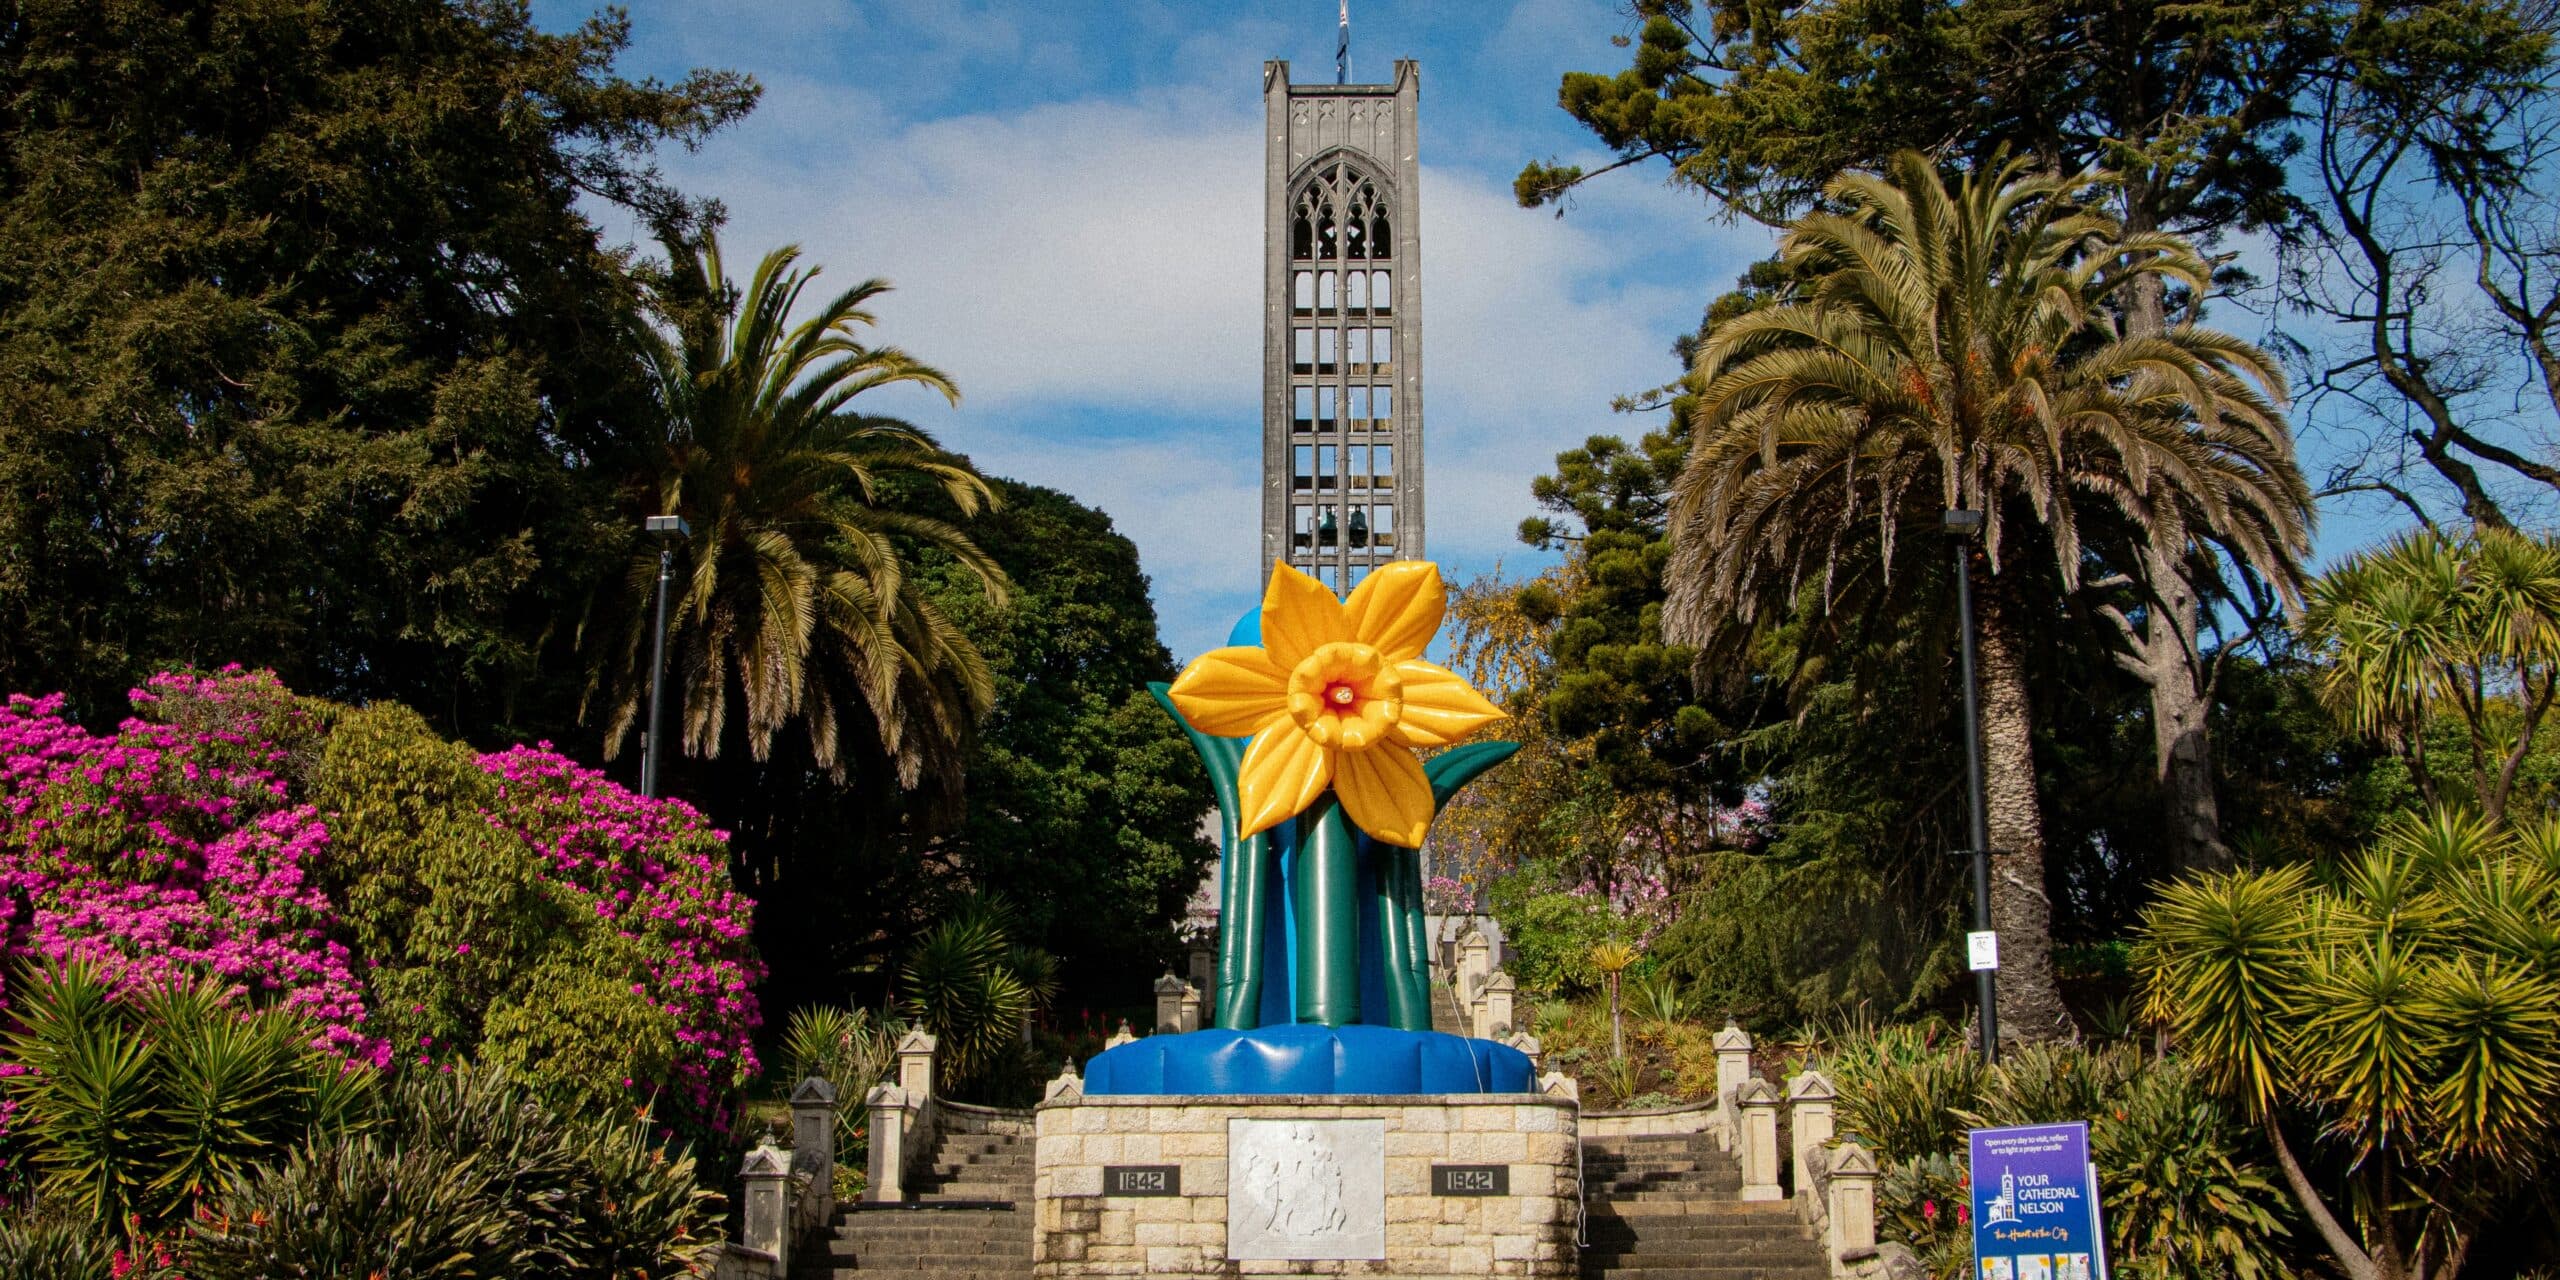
(1755,1092)
(1170,985)
(917,1040)
(814,1092)
(1852,1160)
(1475,938)
(1500,981)
(1732,1038)
(885,1095)
(1810,1085)
(765,1162)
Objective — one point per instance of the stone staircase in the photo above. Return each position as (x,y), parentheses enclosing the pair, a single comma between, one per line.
(1444,1006)
(970,1219)
(1670,1207)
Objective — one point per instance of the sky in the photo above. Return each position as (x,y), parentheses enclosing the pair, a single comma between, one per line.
(1068,198)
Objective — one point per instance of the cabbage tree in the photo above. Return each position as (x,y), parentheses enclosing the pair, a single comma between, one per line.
(2393,1022)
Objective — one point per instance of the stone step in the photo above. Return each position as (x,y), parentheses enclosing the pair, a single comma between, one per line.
(1679,1207)
(936,1273)
(1744,1271)
(1776,1235)
(961,1254)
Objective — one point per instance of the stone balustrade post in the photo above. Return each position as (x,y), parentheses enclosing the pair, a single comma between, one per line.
(1757,1104)
(813,1132)
(1475,964)
(1189,1015)
(1500,994)
(1809,1101)
(889,1107)
(1556,1084)
(1202,966)
(1121,1037)
(1733,1066)
(915,1064)
(1529,1045)
(1853,1207)
(1169,991)
(766,1230)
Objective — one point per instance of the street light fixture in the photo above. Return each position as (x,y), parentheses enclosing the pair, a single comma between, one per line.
(1982,947)
(669,531)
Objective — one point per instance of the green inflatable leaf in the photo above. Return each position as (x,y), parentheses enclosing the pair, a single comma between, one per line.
(1458,766)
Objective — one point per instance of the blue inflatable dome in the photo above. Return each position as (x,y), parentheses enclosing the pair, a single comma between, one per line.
(1304,1058)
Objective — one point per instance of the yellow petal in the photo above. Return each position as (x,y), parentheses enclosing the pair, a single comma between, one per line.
(1299,617)
(1386,794)
(1231,693)
(1398,608)
(1283,772)
(1439,707)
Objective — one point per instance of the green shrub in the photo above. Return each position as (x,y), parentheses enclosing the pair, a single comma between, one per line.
(472,1174)
(2051,1084)
(54,1245)
(361,1206)
(851,1049)
(2187,1184)
(447,908)
(133,1106)
(1927,1203)
(1903,1095)
(965,984)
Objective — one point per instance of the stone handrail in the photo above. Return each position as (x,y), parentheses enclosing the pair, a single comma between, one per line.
(785,1195)
(903,1120)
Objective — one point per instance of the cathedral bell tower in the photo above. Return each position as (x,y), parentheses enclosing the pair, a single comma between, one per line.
(1342,326)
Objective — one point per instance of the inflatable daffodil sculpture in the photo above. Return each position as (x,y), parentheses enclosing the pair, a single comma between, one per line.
(1310,737)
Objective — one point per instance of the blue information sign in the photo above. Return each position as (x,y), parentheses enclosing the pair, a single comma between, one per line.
(2035,1205)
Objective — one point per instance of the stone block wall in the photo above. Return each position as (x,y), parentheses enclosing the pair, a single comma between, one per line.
(1528,1232)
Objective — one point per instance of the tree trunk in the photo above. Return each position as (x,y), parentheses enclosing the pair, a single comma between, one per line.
(2030,1005)
(2168,661)
(2166,654)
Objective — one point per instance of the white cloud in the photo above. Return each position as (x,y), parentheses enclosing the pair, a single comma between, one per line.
(1089,272)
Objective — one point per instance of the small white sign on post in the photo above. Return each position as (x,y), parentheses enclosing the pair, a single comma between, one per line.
(1983,948)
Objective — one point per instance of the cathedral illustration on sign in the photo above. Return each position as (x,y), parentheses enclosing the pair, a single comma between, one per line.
(2004,1206)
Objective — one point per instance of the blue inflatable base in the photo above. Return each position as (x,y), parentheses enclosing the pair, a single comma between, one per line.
(1306,1058)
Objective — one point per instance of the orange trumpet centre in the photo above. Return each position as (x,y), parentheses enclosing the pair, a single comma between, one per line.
(1344,695)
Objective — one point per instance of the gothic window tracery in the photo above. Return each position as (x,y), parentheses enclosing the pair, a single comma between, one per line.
(1341,247)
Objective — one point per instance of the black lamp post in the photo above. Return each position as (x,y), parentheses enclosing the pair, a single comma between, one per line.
(1962,527)
(670,531)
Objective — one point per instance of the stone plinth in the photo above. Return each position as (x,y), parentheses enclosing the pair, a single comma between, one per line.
(1327,1166)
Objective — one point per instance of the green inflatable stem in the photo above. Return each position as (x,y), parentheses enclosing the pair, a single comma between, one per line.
(1238,1003)
(1327,888)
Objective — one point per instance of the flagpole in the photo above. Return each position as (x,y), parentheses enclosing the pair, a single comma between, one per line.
(1342,48)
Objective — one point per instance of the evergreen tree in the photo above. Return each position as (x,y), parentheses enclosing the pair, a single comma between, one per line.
(309,356)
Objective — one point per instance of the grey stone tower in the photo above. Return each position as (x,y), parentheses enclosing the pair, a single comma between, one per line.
(1342,326)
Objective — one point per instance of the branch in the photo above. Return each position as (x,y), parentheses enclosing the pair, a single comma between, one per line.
(2351,1259)
(2377,486)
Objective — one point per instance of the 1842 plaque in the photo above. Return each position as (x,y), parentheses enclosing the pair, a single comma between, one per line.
(1471,1179)
(1142,1180)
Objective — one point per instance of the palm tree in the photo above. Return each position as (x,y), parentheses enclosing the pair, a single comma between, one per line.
(1961,348)
(800,601)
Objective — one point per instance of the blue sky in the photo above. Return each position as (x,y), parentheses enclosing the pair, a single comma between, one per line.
(1067,196)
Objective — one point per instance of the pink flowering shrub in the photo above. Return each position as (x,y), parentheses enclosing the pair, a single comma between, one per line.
(169,850)
(416,901)
(656,876)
